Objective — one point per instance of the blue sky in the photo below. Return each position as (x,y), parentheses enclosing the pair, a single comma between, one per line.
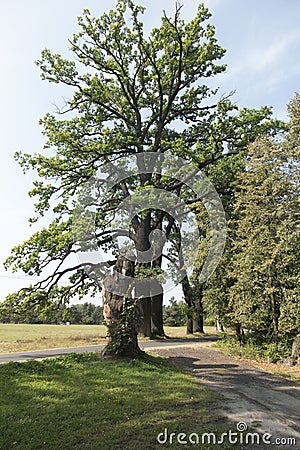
(262,39)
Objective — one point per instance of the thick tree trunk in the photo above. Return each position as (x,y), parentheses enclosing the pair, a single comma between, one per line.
(240,333)
(157,325)
(189,325)
(275,308)
(151,298)
(296,350)
(275,317)
(142,245)
(145,328)
(157,297)
(219,326)
(119,311)
(198,324)
(198,320)
(143,293)
(186,287)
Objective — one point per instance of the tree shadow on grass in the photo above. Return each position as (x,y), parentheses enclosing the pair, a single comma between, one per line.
(85,403)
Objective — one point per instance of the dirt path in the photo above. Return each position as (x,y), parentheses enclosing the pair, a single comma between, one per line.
(265,402)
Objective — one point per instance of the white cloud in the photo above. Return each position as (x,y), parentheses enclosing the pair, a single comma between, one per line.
(263,57)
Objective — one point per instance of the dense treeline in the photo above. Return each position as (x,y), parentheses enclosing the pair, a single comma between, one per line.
(255,289)
(90,314)
(85,314)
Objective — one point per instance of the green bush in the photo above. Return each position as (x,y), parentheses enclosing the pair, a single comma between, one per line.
(255,348)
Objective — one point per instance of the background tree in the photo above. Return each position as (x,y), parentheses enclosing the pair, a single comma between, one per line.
(215,291)
(174,313)
(211,298)
(131,94)
(264,298)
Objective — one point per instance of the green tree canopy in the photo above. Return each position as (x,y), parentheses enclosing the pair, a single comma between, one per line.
(131,94)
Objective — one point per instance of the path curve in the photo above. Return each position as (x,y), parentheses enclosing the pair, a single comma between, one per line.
(265,402)
(52,352)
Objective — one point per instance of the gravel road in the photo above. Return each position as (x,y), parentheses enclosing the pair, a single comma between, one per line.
(262,401)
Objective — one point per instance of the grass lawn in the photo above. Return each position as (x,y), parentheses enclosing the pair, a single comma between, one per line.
(22,337)
(86,403)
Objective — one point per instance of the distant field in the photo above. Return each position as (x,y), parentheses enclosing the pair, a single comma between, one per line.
(180,332)
(22,337)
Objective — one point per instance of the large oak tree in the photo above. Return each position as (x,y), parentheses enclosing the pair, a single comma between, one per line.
(130,93)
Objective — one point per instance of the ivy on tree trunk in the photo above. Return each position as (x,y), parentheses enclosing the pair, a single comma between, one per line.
(120,312)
